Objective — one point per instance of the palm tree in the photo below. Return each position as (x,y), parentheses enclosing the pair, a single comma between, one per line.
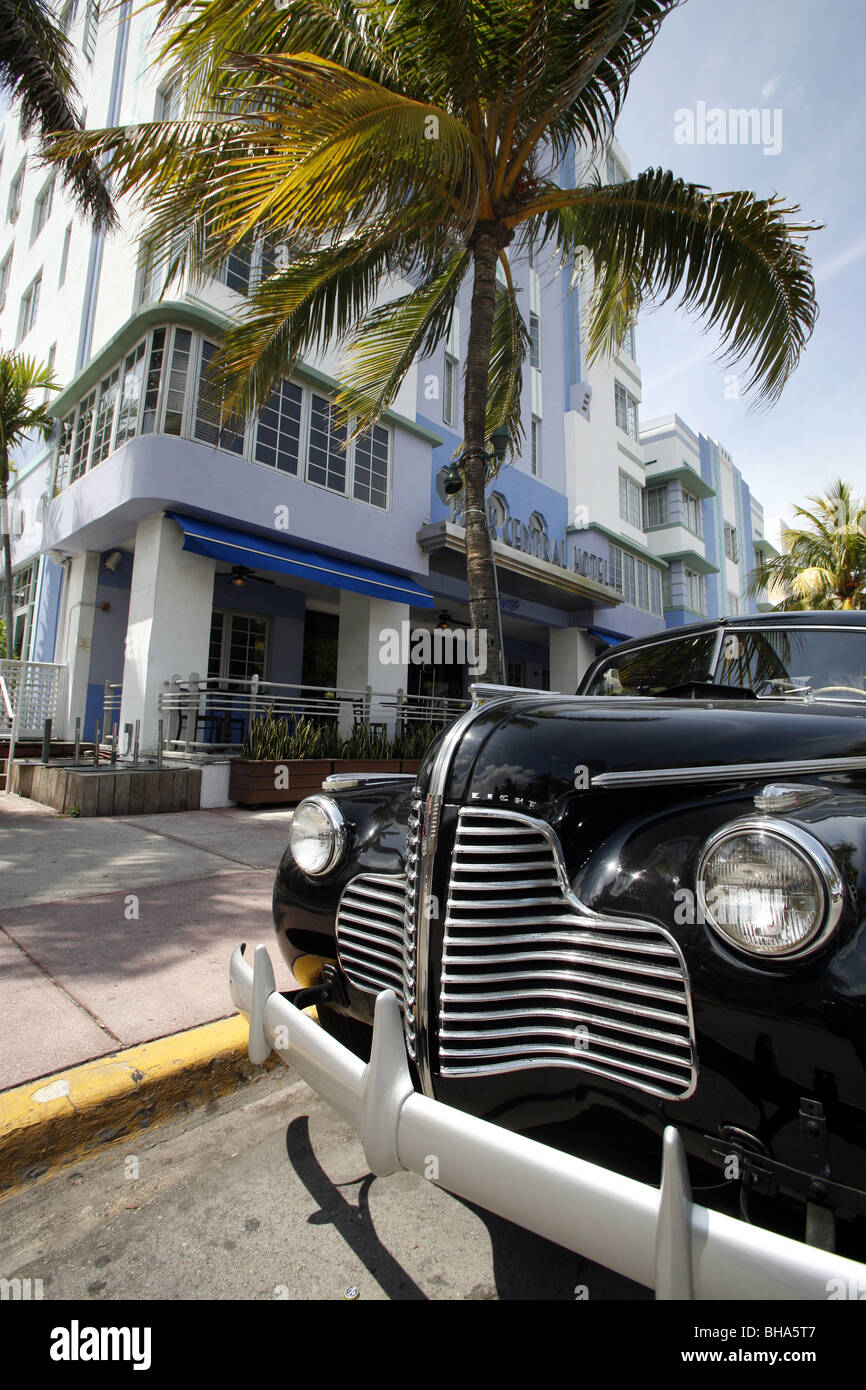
(36,65)
(19,377)
(419,139)
(824,563)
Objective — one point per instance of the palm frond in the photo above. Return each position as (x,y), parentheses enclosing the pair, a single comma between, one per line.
(736,261)
(36,67)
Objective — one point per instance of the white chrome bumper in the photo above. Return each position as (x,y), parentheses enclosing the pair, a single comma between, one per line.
(657,1237)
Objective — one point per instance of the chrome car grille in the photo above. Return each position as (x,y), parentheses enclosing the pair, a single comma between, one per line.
(531,978)
(370,932)
(410,918)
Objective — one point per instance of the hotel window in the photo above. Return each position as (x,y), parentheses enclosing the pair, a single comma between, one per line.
(638,582)
(534,341)
(91,25)
(614,172)
(152,382)
(169,99)
(626,410)
(535,458)
(208,405)
(629,501)
(696,590)
(16,187)
(42,210)
(104,418)
(278,430)
(130,395)
(29,307)
(629,343)
(64,255)
(733,604)
(326,457)
(235,271)
(370,474)
(52,354)
(732,549)
(656,505)
(449,390)
(5,270)
(515,673)
(656,605)
(667,589)
(64,452)
(81,446)
(238,646)
(175,389)
(694,513)
(23,606)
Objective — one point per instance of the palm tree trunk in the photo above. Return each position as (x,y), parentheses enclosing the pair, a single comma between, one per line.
(480,572)
(8,610)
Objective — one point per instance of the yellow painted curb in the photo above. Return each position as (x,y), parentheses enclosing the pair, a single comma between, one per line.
(59,1119)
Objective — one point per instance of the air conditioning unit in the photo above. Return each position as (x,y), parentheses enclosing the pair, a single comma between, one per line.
(582,398)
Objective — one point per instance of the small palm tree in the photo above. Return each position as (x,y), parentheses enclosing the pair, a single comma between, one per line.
(19,377)
(417,140)
(36,67)
(824,563)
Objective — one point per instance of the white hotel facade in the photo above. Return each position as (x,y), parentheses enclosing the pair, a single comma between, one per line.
(130,525)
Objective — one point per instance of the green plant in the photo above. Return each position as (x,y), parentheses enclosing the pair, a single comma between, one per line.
(363,742)
(19,377)
(413,742)
(73,811)
(376,142)
(824,562)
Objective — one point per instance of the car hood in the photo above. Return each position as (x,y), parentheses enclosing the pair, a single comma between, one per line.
(538,749)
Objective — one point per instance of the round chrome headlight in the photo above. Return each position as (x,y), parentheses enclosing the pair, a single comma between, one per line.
(769,888)
(317,837)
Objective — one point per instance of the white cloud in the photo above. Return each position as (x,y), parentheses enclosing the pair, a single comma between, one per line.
(855,252)
(769,88)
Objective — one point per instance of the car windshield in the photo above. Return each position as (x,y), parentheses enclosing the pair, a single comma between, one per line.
(655,668)
(786,662)
(797,662)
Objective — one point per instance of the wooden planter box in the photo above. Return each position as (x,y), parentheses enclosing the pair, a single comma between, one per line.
(264,783)
(109,791)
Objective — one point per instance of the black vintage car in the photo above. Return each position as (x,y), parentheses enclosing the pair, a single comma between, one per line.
(634,912)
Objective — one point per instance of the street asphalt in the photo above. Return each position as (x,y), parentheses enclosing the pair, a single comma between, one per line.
(117,931)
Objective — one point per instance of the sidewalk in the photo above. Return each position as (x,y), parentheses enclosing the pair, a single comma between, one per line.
(118,931)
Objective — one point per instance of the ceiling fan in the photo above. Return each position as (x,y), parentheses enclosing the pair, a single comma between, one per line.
(445,620)
(242,574)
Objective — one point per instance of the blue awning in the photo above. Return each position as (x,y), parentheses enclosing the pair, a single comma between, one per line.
(240,548)
(610,639)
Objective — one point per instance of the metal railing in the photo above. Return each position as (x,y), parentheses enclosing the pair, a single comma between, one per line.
(204,713)
(36,691)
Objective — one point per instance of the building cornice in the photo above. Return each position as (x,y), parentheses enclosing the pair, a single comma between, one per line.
(445,535)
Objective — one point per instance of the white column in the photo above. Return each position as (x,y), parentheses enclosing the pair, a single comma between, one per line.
(170,607)
(366,629)
(571,655)
(75,635)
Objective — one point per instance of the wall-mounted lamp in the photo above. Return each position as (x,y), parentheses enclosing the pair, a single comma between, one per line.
(113,561)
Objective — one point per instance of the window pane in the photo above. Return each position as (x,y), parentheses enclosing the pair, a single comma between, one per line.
(177,378)
(326,463)
(278,431)
(154,376)
(534,341)
(82,437)
(448,391)
(104,417)
(208,408)
(371,467)
(133,377)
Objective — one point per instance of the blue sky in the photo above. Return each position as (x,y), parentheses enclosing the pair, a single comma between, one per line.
(805,59)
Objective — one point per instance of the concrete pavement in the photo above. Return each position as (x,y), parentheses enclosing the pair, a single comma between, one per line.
(116,933)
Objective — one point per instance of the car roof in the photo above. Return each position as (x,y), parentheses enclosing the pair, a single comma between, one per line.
(829,617)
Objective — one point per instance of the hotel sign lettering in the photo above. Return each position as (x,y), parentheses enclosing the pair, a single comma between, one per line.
(535,540)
